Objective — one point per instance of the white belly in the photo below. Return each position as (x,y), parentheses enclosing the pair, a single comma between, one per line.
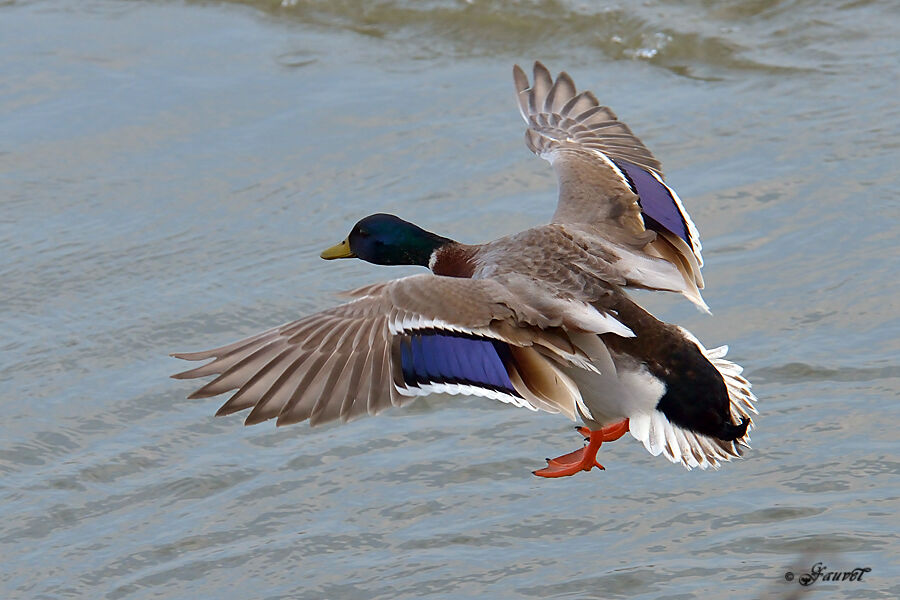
(619,393)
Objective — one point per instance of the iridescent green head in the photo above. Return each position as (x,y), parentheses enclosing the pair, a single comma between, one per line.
(387,240)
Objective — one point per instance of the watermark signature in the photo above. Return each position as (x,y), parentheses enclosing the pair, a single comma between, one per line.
(820,572)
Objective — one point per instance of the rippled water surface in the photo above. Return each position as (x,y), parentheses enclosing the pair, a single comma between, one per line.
(169,171)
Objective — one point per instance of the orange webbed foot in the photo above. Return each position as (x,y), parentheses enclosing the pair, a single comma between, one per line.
(612,432)
(583,459)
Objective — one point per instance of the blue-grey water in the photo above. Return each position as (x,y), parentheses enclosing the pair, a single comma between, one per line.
(169,171)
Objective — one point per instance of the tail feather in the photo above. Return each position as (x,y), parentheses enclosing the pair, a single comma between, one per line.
(696,450)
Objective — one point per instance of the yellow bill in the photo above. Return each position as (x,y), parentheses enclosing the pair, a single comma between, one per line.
(342,250)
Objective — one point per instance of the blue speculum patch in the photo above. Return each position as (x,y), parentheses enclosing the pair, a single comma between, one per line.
(657,204)
(441,357)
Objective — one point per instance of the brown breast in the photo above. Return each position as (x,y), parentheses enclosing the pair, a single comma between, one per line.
(454,260)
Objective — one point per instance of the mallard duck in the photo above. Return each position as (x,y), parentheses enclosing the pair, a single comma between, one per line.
(540,319)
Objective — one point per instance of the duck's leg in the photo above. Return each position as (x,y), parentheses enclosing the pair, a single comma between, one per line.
(583,459)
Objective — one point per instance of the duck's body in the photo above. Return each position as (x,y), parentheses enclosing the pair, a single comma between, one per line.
(538,319)
(581,251)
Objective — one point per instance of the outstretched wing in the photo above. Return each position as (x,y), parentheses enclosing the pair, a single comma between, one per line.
(606,175)
(405,338)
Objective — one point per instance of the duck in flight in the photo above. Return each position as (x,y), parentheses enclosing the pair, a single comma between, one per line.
(540,319)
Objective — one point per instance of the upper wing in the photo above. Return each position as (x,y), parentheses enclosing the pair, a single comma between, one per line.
(404,338)
(606,175)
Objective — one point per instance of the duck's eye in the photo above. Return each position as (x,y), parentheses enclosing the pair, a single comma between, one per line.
(362,233)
